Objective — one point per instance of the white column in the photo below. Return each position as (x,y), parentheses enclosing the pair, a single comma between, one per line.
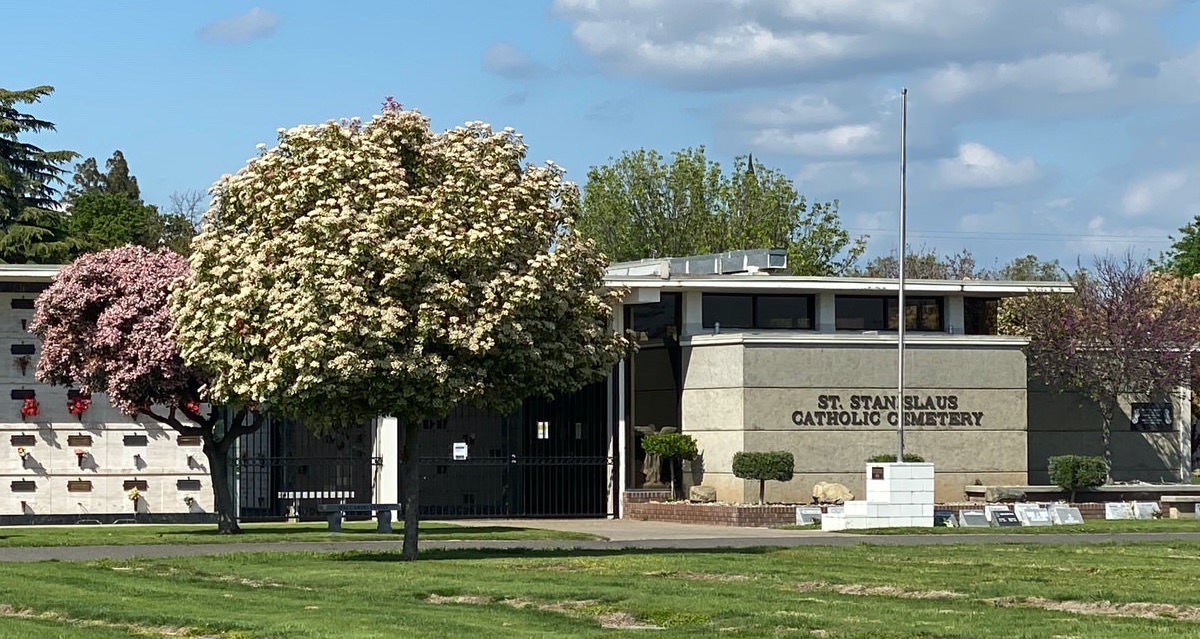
(387,448)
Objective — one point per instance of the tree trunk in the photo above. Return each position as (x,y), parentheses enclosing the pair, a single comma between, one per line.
(218,470)
(1106,417)
(410,462)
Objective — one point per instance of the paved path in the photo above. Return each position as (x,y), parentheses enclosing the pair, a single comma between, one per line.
(618,534)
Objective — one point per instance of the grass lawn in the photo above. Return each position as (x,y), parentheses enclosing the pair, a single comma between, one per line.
(207,534)
(1088,526)
(1002,591)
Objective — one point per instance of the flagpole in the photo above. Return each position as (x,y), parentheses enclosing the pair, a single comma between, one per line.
(901,316)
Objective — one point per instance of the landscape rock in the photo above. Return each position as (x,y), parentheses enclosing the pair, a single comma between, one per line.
(831,493)
(702,494)
(1003,493)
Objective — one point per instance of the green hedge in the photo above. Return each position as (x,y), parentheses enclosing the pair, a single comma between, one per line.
(670,445)
(771,466)
(887,458)
(1072,472)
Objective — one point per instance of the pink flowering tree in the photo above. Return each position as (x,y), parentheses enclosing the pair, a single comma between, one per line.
(381,268)
(105,325)
(1126,333)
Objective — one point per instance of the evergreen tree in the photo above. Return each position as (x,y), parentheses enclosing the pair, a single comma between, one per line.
(107,211)
(117,179)
(32,228)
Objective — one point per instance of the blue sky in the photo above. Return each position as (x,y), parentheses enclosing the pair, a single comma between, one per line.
(1065,129)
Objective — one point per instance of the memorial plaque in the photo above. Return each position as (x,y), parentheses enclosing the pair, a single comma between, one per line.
(835,510)
(991,509)
(973,519)
(877,472)
(1005,518)
(1065,516)
(1117,510)
(1153,418)
(1032,515)
(806,515)
(943,518)
(1145,509)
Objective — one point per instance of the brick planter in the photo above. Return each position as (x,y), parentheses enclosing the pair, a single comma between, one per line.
(682,512)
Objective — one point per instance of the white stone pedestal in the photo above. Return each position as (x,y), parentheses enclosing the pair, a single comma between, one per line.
(898,495)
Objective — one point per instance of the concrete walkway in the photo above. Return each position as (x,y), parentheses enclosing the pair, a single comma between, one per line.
(617,534)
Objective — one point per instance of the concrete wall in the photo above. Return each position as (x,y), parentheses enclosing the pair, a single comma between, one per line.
(109,459)
(744,394)
(1070,424)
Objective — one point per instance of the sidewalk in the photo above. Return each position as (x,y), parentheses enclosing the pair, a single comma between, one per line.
(618,530)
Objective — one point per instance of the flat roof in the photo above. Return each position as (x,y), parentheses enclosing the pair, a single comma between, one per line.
(29,272)
(762,283)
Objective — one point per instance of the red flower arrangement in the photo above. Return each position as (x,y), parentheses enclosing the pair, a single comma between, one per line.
(192,406)
(30,408)
(79,405)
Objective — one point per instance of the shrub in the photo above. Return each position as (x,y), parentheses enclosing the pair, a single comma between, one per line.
(887,458)
(1072,472)
(772,466)
(670,446)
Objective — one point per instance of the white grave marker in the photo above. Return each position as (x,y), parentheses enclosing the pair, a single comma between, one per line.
(1065,515)
(973,519)
(806,515)
(1032,514)
(1145,509)
(1117,510)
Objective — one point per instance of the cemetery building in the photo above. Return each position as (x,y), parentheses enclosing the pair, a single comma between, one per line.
(732,351)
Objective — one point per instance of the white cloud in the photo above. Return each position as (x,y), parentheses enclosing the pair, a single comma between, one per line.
(1052,73)
(255,23)
(846,140)
(713,44)
(805,110)
(979,167)
(1092,19)
(507,61)
(1153,193)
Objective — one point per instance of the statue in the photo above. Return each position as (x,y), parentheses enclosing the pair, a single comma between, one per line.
(652,463)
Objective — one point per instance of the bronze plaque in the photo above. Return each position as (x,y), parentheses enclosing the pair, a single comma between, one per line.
(877,472)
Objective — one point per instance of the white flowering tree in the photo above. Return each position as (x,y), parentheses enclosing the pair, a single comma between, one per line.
(357,270)
(104,325)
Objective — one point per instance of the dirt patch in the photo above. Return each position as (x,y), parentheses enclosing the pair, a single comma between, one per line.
(10,611)
(1140,609)
(862,590)
(459,599)
(624,621)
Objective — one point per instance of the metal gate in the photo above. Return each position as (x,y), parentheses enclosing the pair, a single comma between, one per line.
(550,459)
(284,471)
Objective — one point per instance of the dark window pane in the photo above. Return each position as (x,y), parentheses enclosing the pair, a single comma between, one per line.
(979,316)
(783,311)
(730,311)
(657,320)
(859,313)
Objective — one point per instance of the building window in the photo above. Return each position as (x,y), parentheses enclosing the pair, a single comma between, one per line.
(730,311)
(758,311)
(658,320)
(543,430)
(979,316)
(862,313)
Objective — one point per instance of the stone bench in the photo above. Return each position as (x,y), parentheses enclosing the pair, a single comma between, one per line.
(383,514)
(1182,505)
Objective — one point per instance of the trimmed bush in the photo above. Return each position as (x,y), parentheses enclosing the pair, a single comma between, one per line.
(1072,472)
(671,446)
(773,466)
(887,458)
